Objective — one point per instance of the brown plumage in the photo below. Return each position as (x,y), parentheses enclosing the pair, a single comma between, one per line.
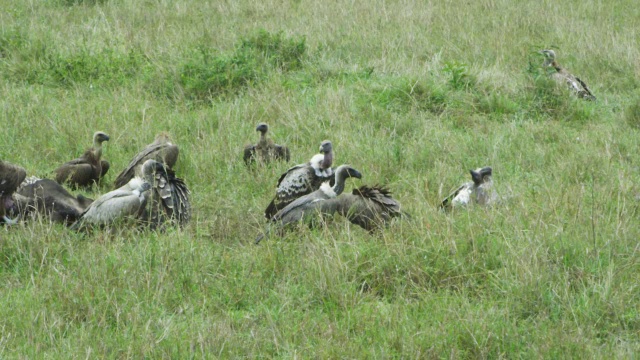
(87,169)
(160,150)
(49,199)
(562,76)
(11,176)
(168,201)
(303,179)
(265,150)
(370,207)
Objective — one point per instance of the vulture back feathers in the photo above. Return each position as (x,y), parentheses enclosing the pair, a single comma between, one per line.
(265,150)
(160,150)
(87,169)
(369,207)
(562,76)
(169,199)
(302,179)
(126,201)
(11,176)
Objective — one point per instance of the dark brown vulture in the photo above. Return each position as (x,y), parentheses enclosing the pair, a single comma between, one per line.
(168,201)
(310,204)
(479,191)
(161,150)
(87,169)
(302,179)
(127,201)
(370,207)
(49,199)
(11,176)
(265,150)
(562,76)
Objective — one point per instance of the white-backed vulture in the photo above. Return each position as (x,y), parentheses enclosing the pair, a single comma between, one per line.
(265,150)
(161,150)
(302,179)
(127,201)
(11,176)
(370,207)
(168,201)
(562,76)
(49,199)
(479,191)
(310,204)
(87,169)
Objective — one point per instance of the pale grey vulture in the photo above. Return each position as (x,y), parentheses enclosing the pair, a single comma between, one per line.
(11,176)
(49,199)
(310,203)
(265,150)
(128,201)
(370,207)
(562,76)
(302,179)
(87,169)
(161,150)
(479,191)
(168,201)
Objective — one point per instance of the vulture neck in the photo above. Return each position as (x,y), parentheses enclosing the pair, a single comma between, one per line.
(263,139)
(97,149)
(338,188)
(327,161)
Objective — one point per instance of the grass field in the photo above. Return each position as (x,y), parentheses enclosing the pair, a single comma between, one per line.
(412,94)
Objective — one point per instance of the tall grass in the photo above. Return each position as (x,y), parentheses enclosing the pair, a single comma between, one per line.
(412,94)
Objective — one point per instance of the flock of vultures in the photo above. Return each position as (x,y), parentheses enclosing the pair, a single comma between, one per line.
(149,194)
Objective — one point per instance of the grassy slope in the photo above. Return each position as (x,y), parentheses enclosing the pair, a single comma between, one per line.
(412,95)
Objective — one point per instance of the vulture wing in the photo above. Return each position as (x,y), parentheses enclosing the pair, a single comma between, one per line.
(249,154)
(169,200)
(164,152)
(298,181)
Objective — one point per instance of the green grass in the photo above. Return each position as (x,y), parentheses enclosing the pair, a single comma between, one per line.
(412,95)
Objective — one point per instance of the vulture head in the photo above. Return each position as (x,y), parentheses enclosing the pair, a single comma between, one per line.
(99,137)
(481,175)
(327,149)
(263,128)
(549,57)
(345,171)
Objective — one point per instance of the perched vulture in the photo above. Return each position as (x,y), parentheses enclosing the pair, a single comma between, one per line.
(87,169)
(160,150)
(369,207)
(562,76)
(11,176)
(479,191)
(168,200)
(265,150)
(49,199)
(311,203)
(126,201)
(302,179)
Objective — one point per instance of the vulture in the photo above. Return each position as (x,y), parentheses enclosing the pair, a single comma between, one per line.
(161,150)
(302,179)
(369,207)
(265,150)
(126,201)
(479,191)
(49,199)
(168,200)
(311,203)
(88,168)
(11,176)
(562,76)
